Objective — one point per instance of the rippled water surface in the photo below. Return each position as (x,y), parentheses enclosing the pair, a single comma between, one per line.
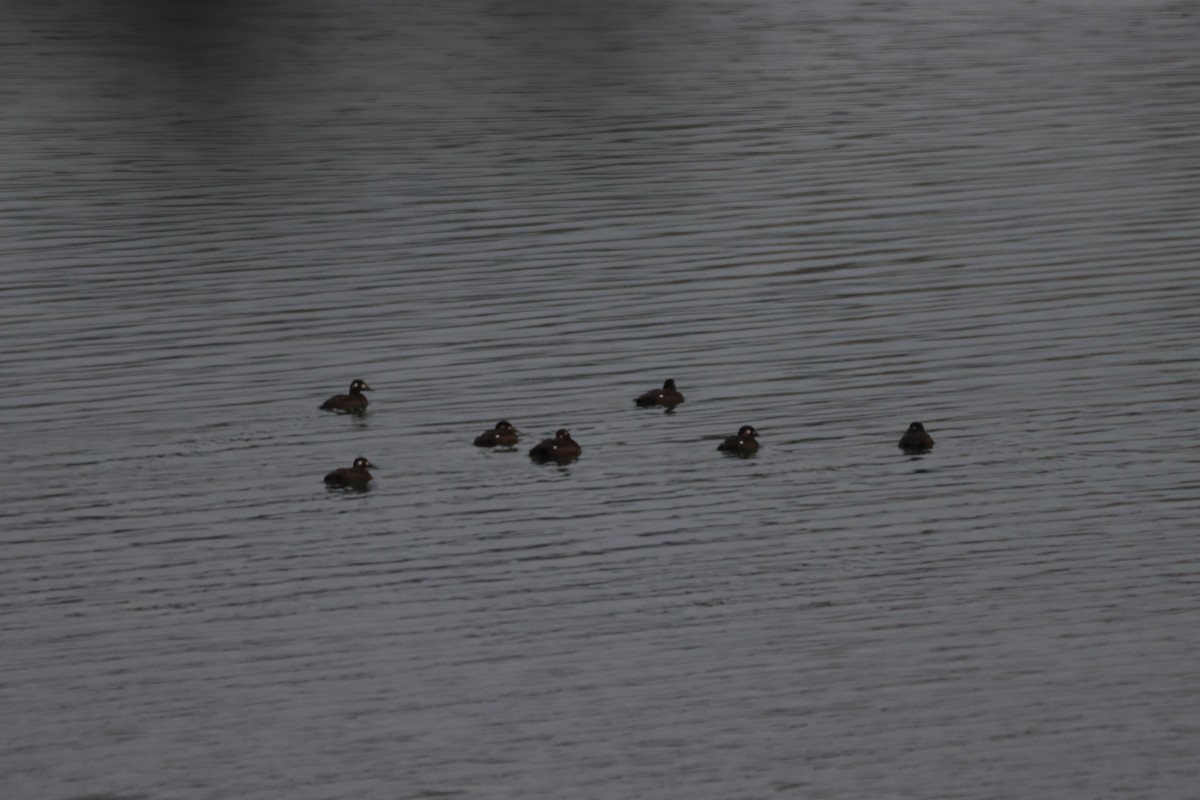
(825,220)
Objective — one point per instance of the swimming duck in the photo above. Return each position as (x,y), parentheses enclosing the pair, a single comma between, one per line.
(561,448)
(667,396)
(355,476)
(353,403)
(743,443)
(915,439)
(503,435)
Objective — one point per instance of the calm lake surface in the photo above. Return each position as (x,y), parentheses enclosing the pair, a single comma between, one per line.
(826,220)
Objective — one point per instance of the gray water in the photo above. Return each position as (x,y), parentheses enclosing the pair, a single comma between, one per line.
(826,220)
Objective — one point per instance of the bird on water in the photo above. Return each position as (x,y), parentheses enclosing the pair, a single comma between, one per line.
(353,403)
(744,442)
(561,448)
(502,435)
(668,396)
(354,477)
(915,439)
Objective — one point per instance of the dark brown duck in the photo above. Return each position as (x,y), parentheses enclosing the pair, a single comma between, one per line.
(915,439)
(561,448)
(743,443)
(667,396)
(355,476)
(353,403)
(502,435)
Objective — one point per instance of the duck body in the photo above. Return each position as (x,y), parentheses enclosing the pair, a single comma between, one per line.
(355,477)
(743,443)
(915,439)
(502,435)
(353,403)
(561,448)
(667,396)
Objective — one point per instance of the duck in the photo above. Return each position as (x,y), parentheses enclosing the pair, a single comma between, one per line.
(561,448)
(915,439)
(743,443)
(355,476)
(667,396)
(502,435)
(353,403)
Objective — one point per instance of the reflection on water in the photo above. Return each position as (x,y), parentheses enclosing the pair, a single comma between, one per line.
(824,221)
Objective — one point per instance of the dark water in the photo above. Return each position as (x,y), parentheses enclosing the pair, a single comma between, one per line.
(825,220)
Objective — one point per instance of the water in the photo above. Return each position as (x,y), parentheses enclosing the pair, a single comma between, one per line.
(824,220)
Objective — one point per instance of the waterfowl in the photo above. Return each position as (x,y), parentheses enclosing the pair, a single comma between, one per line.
(915,439)
(355,476)
(561,448)
(353,403)
(667,396)
(502,435)
(743,443)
